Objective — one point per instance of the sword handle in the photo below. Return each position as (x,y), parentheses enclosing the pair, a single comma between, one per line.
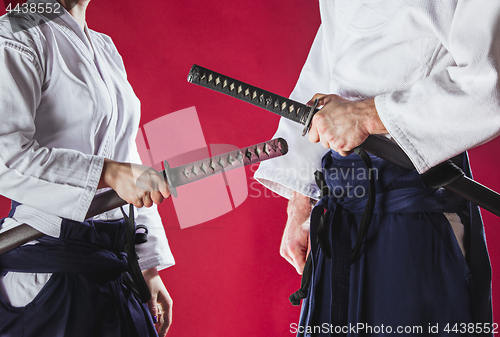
(460,184)
(264,99)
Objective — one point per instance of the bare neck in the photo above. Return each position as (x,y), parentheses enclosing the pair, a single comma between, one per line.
(77,9)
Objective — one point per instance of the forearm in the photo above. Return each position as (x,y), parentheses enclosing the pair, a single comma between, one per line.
(457,106)
(299,207)
(156,251)
(56,181)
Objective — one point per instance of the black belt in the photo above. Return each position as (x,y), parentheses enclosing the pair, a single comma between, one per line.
(133,277)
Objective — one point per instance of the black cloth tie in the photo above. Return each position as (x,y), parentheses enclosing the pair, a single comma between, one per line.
(341,254)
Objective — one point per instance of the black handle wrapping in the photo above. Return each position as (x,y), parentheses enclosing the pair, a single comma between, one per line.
(264,99)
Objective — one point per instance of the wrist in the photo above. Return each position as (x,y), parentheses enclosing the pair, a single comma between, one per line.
(373,123)
(108,174)
(299,208)
(150,273)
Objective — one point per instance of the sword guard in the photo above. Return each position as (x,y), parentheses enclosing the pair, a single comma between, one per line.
(310,116)
(168,176)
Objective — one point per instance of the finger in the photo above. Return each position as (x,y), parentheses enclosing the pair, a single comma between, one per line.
(311,101)
(299,261)
(147,201)
(345,153)
(294,253)
(308,245)
(143,176)
(157,197)
(138,202)
(320,97)
(324,142)
(163,188)
(313,134)
(161,329)
(153,309)
(167,305)
(306,228)
(285,253)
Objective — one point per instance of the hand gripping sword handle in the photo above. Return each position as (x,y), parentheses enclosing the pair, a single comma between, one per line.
(376,145)
(181,175)
(176,176)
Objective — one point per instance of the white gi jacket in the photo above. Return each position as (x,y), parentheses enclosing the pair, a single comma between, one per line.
(432,67)
(65,105)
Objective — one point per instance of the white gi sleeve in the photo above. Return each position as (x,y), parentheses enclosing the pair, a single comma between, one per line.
(457,108)
(57,182)
(156,251)
(295,170)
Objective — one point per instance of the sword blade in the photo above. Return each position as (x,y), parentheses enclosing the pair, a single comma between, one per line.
(204,168)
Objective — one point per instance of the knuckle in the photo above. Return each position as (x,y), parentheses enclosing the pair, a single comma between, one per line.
(330,139)
(318,118)
(341,146)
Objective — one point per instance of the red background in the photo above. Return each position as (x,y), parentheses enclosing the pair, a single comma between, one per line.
(229,279)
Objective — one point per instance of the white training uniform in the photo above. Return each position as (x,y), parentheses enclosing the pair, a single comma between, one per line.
(65,105)
(432,67)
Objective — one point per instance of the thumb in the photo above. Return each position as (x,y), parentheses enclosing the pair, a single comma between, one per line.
(313,134)
(163,188)
(153,309)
